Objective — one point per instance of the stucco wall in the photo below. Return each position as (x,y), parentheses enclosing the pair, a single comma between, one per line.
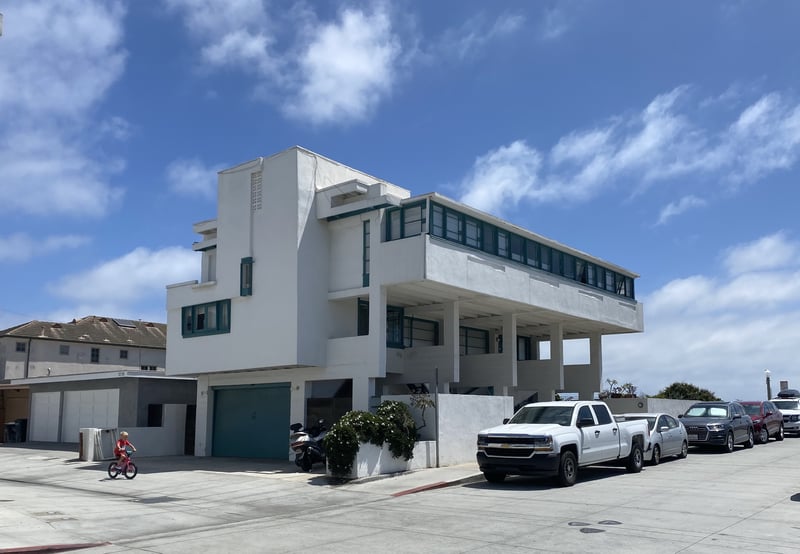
(461,417)
(650,405)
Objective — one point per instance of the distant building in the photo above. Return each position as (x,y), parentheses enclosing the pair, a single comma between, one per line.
(91,372)
(323,288)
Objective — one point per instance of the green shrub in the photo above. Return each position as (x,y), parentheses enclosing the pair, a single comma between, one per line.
(392,423)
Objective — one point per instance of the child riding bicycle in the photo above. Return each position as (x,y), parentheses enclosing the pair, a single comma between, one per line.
(120,448)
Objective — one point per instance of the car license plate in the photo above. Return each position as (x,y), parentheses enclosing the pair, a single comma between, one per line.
(692,437)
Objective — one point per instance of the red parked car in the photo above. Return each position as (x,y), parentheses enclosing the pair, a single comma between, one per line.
(767,420)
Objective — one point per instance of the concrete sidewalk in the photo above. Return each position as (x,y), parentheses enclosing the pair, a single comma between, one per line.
(748,500)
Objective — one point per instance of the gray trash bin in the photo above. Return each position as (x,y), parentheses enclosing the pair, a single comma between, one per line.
(21,429)
(10,432)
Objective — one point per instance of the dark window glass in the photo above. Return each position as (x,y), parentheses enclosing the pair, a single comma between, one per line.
(393,225)
(394,327)
(524,348)
(555,262)
(207,319)
(365,255)
(63,349)
(591,276)
(517,248)
(155,415)
(437,224)
(544,255)
(603,417)
(609,280)
(246,277)
(472,232)
(580,271)
(532,253)
(568,269)
(95,355)
(123,354)
(502,243)
(489,238)
(363,317)
(420,332)
(453,226)
(585,413)
(473,341)
(20,347)
(413,220)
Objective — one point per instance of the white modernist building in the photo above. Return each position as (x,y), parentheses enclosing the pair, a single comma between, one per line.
(323,288)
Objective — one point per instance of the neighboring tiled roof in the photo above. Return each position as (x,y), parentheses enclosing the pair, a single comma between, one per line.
(95,330)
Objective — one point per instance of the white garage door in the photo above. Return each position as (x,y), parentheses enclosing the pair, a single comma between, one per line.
(45,409)
(89,408)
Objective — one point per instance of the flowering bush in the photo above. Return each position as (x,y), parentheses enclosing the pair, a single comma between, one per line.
(392,424)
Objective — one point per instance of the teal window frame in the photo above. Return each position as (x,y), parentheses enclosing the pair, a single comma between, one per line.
(394,327)
(211,318)
(365,253)
(406,221)
(472,341)
(449,224)
(246,277)
(421,330)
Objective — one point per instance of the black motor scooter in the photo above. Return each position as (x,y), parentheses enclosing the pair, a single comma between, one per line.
(308,444)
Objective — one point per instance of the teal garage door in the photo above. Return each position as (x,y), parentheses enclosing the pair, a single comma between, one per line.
(252,421)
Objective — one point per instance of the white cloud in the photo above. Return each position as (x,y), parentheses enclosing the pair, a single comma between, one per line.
(666,140)
(718,333)
(20,247)
(118,286)
(508,173)
(347,69)
(61,58)
(469,39)
(554,24)
(192,177)
(770,252)
(676,208)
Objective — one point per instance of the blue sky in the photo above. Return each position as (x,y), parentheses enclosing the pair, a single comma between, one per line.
(663,137)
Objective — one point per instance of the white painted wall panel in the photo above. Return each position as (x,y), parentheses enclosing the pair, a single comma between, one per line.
(45,411)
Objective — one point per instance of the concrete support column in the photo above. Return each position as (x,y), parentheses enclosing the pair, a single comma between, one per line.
(510,349)
(450,338)
(595,378)
(557,351)
(297,403)
(377,329)
(203,414)
(363,390)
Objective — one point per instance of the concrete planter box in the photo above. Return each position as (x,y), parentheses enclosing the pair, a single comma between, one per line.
(372,460)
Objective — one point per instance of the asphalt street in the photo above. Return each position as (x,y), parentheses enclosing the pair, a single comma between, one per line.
(50,501)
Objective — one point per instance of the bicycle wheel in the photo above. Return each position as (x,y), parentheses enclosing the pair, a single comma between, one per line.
(131,470)
(113,470)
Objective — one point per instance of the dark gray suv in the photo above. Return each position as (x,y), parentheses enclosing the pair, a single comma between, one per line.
(723,424)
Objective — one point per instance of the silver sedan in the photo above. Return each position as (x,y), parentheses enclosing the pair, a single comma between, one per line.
(667,436)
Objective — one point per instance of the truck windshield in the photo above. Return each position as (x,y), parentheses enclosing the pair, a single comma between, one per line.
(787,404)
(560,415)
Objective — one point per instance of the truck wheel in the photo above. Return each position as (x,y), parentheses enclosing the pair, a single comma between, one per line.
(567,469)
(635,458)
(494,476)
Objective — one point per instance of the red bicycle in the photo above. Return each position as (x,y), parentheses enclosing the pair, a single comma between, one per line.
(127,468)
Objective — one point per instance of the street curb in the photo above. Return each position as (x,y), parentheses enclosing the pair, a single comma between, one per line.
(442,484)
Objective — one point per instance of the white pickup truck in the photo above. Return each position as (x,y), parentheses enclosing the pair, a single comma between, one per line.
(556,438)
